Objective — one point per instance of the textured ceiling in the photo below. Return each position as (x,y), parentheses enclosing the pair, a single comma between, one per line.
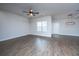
(43,8)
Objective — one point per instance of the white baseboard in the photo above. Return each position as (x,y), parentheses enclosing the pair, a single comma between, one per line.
(42,35)
(8,38)
(68,35)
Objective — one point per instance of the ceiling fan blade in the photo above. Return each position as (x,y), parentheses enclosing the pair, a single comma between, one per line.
(28,14)
(35,12)
(25,12)
(70,14)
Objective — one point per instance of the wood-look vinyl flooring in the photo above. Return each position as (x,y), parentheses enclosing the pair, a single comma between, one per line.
(40,46)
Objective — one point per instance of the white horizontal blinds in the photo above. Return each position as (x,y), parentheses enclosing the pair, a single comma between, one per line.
(42,26)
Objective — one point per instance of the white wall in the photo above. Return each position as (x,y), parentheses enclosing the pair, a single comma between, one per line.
(12,26)
(33,28)
(60,26)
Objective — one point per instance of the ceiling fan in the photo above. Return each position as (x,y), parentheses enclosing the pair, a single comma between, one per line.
(31,12)
(74,14)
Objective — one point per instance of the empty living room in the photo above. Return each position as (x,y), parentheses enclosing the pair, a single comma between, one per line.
(39,29)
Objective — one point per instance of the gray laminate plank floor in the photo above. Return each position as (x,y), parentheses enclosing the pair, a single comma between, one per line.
(40,46)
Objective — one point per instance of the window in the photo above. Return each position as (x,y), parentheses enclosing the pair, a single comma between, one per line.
(39,26)
(42,26)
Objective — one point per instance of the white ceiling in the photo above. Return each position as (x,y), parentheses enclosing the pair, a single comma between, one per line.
(43,8)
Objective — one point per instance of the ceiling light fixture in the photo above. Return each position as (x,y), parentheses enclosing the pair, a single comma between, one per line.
(31,12)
